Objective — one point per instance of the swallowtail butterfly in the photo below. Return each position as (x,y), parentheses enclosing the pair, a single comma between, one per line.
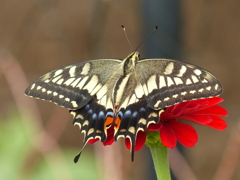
(130,92)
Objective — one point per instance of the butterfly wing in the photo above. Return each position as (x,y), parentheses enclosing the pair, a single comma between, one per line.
(74,86)
(166,82)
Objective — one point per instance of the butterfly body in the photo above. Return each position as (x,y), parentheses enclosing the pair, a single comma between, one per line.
(132,92)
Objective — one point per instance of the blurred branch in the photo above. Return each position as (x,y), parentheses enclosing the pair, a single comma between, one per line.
(230,159)
(43,142)
(179,166)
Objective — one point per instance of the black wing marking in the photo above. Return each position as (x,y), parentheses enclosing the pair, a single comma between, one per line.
(167,82)
(73,86)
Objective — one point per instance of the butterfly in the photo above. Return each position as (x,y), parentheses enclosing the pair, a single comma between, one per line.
(131,92)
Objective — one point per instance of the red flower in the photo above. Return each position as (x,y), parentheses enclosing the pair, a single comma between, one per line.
(204,111)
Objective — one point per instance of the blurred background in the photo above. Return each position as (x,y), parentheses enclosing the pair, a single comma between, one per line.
(37,139)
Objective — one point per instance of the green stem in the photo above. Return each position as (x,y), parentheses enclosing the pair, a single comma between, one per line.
(159,154)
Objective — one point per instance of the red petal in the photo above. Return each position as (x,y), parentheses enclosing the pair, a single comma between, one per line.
(208,102)
(196,105)
(199,119)
(193,105)
(214,110)
(185,133)
(189,106)
(215,100)
(140,140)
(167,114)
(177,111)
(167,137)
(217,123)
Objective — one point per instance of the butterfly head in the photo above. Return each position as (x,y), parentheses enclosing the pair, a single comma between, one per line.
(130,62)
(135,56)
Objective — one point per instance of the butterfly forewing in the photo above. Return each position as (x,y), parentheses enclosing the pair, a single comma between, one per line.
(168,82)
(74,86)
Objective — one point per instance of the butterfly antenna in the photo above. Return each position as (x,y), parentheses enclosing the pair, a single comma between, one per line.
(150,34)
(125,33)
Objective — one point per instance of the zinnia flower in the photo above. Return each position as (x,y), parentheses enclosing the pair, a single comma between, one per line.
(204,112)
(171,129)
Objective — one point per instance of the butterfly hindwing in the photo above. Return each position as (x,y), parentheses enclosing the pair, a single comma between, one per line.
(73,86)
(91,119)
(167,82)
